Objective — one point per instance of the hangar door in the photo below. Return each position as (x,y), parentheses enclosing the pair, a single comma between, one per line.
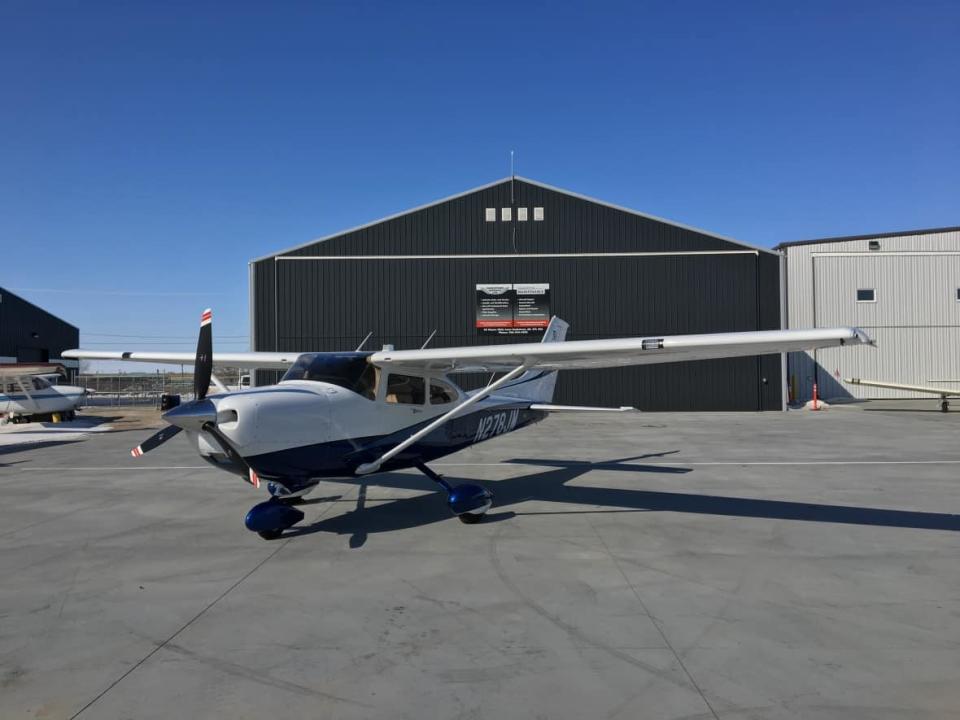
(331,303)
(914,316)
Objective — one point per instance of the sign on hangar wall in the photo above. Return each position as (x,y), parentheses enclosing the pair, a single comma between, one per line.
(513,309)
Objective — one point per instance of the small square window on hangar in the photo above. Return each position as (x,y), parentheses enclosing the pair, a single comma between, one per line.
(522,214)
(866,295)
(537,214)
(506,214)
(491,214)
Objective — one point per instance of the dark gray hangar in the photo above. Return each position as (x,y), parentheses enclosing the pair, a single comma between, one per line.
(491,264)
(29,334)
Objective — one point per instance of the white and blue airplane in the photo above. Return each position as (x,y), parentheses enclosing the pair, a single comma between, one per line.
(340,415)
(26,392)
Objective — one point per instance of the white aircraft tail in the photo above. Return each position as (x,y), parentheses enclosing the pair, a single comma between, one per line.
(535,384)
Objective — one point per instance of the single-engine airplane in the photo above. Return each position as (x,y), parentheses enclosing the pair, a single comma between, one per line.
(25,392)
(348,414)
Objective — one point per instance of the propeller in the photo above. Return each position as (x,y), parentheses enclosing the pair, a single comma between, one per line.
(203,366)
(199,414)
(155,440)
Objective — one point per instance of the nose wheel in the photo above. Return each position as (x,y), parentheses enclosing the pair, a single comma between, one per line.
(468,502)
(269,519)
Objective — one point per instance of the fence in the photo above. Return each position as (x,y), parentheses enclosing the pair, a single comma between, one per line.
(145,389)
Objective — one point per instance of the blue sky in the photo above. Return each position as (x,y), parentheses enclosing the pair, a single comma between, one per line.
(149,150)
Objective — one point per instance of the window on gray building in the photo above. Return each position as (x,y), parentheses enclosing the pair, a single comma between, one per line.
(866,295)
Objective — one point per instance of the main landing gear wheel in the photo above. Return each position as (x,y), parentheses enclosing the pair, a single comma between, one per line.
(468,502)
(944,406)
(270,534)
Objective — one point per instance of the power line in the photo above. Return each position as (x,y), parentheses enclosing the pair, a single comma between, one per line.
(157,337)
(165,342)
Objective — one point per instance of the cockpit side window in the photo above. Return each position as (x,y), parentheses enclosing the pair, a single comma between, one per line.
(441,393)
(40,384)
(405,389)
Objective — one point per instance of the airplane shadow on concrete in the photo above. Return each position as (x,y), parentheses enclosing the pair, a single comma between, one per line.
(26,446)
(551,485)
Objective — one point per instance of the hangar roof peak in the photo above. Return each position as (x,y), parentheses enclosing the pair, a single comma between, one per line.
(501,181)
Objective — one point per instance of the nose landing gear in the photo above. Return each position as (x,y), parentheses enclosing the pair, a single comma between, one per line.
(269,519)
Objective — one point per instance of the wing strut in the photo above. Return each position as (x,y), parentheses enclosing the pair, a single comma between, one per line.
(370,467)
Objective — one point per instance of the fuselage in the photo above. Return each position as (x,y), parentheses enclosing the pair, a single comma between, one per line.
(300,431)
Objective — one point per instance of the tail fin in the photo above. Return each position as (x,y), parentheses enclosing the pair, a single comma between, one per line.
(536,384)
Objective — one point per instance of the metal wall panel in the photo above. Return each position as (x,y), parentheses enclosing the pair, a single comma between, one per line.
(570,225)
(30,333)
(332,304)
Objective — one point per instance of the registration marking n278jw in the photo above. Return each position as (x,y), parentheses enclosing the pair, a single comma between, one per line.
(496,424)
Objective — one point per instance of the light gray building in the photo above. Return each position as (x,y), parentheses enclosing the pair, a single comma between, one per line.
(902,288)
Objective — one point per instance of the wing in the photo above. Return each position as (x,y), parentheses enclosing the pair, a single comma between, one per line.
(261,360)
(942,392)
(584,354)
(13,372)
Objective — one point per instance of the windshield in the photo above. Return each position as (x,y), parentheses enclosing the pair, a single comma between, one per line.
(346,370)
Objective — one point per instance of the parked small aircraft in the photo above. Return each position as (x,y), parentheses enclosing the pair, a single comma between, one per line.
(943,393)
(26,392)
(348,414)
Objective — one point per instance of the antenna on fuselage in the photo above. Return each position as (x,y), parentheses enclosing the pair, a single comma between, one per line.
(364,341)
(427,341)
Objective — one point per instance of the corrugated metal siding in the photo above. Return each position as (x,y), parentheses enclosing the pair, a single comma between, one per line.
(20,319)
(914,321)
(332,304)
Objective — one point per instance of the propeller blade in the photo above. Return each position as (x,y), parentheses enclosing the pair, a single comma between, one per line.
(231,452)
(155,440)
(203,366)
